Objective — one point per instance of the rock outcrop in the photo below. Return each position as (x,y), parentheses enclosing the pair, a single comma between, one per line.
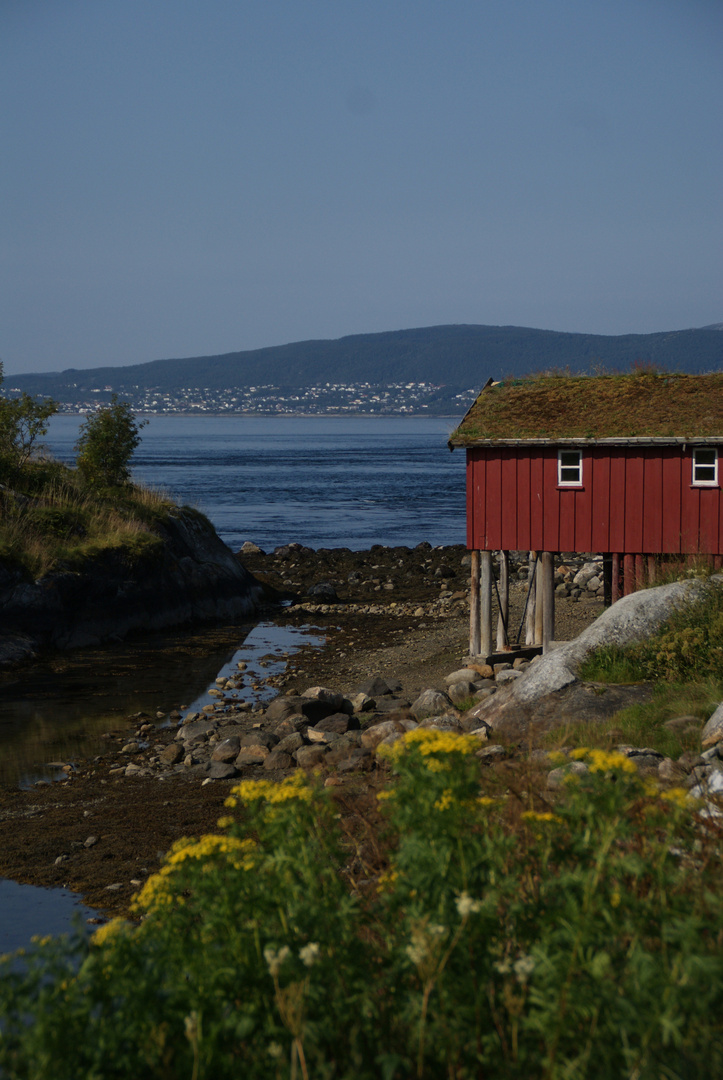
(546,684)
(191,576)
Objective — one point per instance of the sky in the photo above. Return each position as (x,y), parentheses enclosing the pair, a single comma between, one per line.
(193,177)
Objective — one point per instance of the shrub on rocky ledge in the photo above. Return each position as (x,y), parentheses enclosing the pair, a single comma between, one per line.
(572,935)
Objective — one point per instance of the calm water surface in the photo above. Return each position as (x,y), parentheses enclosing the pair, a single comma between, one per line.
(324,482)
(26,910)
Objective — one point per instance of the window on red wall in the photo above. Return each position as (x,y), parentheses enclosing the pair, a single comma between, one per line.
(569,468)
(705,466)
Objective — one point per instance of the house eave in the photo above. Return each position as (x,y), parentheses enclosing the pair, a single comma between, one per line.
(642,440)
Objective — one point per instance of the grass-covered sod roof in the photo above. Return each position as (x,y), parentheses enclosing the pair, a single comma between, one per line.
(642,405)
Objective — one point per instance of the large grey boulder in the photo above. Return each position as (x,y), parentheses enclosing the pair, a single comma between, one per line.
(431,703)
(712,733)
(377,687)
(542,690)
(633,618)
(467,674)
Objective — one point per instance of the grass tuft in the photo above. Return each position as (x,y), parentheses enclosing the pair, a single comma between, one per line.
(50,518)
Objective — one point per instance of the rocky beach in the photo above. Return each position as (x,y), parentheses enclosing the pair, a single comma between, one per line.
(395,622)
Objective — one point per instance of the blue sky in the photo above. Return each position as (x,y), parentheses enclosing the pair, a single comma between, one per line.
(181,178)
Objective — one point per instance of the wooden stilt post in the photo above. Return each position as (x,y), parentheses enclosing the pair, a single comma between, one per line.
(639,572)
(652,569)
(607,579)
(485,603)
(548,600)
(474,607)
(540,604)
(504,590)
(628,574)
(531,600)
(615,587)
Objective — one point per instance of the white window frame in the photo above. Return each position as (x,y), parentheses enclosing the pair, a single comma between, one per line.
(569,483)
(696,480)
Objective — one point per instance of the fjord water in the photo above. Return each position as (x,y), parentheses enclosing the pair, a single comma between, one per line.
(320,481)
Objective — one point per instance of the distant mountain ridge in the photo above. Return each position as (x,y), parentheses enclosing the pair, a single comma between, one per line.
(456,357)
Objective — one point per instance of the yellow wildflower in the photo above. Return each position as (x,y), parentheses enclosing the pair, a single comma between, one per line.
(432,741)
(209,845)
(386,879)
(155,894)
(444,801)
(678,796)
(382,795)
(556,757)
(615,899)
(391,751)
(485,800)
(433,765)
(293,787)
(158,891)
(604,760)
(535,815)
(111,929)
(36,939)
(225,822)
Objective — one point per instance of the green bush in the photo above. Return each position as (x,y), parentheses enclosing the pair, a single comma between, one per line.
(52,515)
(505,939)
(57,521)
(23,422)
(688,646)
(106,444)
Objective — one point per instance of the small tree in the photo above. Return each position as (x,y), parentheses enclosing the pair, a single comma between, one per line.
(23,421)
(106,443)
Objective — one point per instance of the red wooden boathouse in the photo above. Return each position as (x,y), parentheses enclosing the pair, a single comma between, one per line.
(625,465)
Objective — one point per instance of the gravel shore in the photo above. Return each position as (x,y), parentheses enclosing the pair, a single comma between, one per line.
(400,613)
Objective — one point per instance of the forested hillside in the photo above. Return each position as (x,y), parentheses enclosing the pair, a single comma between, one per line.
(459,357)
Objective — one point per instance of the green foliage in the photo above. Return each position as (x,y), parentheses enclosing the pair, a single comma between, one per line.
(612,664)
(62,522)
(51,516)
(106,444)
(688,646)
(23,422)
(508,938)
(643,724)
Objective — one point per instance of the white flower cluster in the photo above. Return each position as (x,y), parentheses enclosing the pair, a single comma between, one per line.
(521,968)
(466,905)
(423,942)
(310,954)
(275,958)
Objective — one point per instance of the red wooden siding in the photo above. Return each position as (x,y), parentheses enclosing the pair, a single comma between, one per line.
(637,500)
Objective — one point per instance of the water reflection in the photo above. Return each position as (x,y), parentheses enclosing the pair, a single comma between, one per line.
(26,910)
(56,709)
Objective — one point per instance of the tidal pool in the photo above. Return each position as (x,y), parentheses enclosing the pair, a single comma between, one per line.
(26,910)
(54,711)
